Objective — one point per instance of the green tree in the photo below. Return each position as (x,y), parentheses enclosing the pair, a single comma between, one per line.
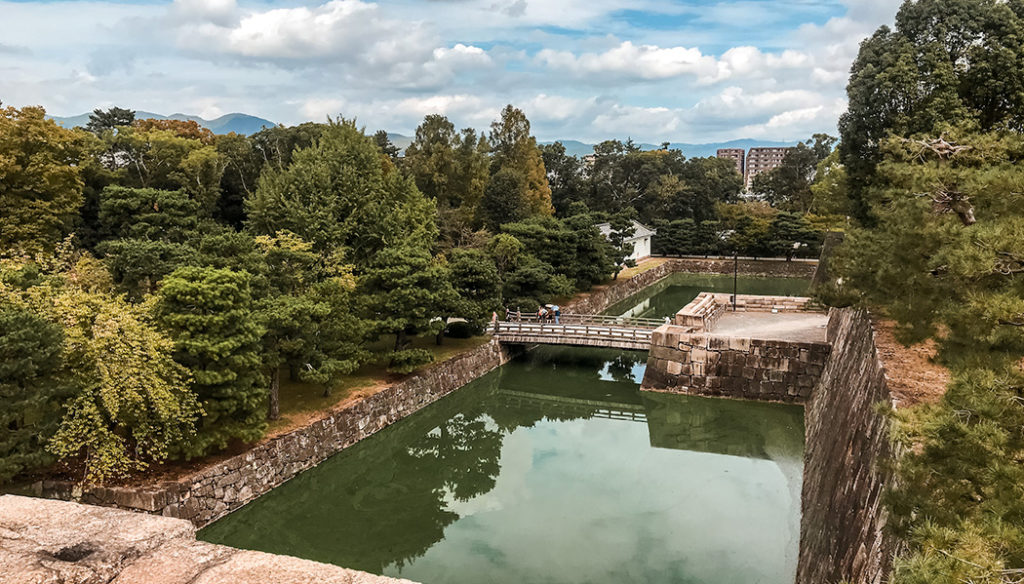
(101,121)
(947,61)
(133,405)
(505,199)
(148,234)
(514,148)
(788,187)
(242,167)
(386,146)
(338,194)
(210,314)
(337,347)
(40,182)
(565,176)
(31,388)
(475,279)
(430,158)
(621,229)
(791,234)
(406,292)
(945,260)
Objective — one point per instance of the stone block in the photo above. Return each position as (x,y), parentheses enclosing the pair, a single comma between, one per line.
(674,368)
(718,343)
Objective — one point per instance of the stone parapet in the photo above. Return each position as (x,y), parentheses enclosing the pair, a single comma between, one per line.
(59,542)
(704,311)
(712,365)
(222,487)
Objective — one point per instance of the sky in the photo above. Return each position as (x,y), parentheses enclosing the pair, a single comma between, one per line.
(654,70)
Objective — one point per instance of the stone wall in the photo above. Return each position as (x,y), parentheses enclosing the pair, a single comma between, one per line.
(768,268)
(58,542)
(598,301)
(225,486)
(758,369)
(847,439)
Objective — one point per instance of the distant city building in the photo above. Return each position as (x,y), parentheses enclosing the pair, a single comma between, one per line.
(762,160)
(641,239)
(737,155)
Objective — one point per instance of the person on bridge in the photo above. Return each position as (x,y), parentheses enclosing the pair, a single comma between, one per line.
(557,310)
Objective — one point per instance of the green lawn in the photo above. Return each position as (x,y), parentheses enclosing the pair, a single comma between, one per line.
(301,402)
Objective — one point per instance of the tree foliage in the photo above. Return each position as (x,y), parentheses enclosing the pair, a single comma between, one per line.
(40,182)
(31,385)
(210,314)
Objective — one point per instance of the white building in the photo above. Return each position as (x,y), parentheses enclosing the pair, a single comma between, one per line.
(641,239)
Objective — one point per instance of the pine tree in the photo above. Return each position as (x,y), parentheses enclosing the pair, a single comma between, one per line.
(31,386)
(211,317)
(405,292)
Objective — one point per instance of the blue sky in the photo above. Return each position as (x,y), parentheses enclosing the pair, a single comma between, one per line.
(655,70)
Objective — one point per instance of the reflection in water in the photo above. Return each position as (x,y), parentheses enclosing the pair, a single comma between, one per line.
(552,469)
(676,291)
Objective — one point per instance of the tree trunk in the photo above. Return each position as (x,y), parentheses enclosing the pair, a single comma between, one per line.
(274,410)
(440,333)
(399,340)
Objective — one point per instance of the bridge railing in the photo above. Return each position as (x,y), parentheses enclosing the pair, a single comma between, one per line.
(588,320)
(575,331)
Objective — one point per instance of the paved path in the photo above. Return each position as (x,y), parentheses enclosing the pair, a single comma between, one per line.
(805,327)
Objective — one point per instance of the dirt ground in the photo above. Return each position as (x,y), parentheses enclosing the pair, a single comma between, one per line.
(914,377)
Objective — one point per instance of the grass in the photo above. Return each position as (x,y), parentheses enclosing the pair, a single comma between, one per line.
(645,265)
(302,402)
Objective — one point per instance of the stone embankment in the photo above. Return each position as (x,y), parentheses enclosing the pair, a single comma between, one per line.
(58,542)
(842,537)
(766,268)
(724,366)
(689,357)
(225,486)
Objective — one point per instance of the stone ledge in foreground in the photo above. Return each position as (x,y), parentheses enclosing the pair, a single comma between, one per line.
(57,542)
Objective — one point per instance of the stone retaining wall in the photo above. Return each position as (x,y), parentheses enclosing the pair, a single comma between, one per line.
(599,301)
(225,486)
(847,440)
(747,267)
(758,369)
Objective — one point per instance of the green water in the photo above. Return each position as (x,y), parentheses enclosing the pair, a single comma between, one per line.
(552,469)
(676,291)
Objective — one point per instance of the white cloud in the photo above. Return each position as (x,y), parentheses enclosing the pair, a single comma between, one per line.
(639,61)
(651,62)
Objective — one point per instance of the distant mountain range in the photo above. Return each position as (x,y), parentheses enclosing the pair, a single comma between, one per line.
(237,123)
(577,148)
(246,125)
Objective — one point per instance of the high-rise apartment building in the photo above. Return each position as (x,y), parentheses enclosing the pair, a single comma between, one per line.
(762,160)
(737,155)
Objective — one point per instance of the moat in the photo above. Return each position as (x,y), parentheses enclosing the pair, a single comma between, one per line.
(556,468)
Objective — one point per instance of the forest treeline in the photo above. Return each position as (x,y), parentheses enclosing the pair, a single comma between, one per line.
(157,280)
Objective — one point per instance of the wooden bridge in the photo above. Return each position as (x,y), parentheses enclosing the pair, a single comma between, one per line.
(580,330)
